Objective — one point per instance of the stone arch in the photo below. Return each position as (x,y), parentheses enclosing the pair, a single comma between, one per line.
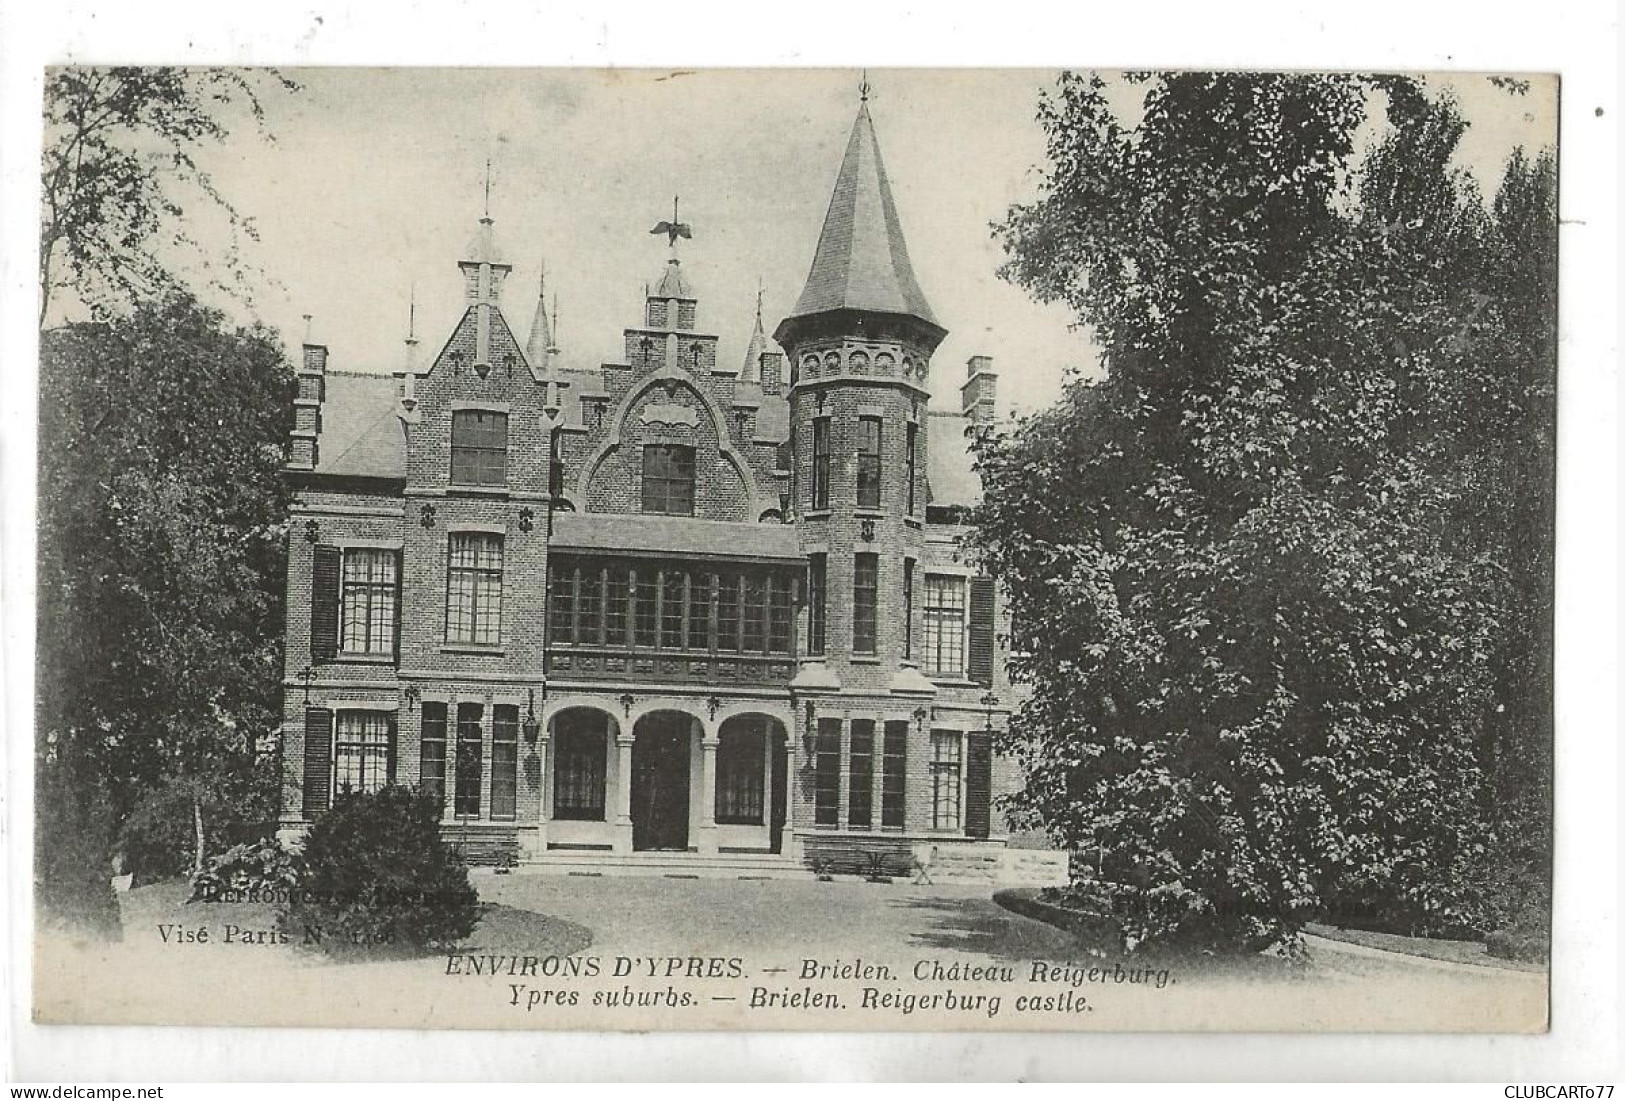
(593,468)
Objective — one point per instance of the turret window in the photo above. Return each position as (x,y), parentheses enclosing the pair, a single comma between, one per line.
(865,602)
(868,462)
(820,463)
(668,479)
(479,447)
(911,444)
(815,603)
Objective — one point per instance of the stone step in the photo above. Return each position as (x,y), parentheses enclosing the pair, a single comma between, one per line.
(671,865)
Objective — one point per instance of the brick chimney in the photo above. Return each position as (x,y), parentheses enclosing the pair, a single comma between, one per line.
(307,407)
(977,394)
(772,372)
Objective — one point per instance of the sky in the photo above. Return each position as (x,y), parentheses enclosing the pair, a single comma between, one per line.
(372,188)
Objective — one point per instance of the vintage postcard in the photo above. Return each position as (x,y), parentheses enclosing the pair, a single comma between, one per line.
(975,550)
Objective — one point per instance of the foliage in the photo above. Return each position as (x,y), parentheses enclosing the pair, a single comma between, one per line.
(162,514)
(375,877)
(236,799)
(246,869)
(119,174)
(1263,643)
(73,833)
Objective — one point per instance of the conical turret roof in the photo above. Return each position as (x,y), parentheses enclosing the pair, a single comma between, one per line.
(751,371)
(540,344)
(862,260)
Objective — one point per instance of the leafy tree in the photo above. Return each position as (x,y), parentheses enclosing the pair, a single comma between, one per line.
(162,515)
(120,175)
(1265,653)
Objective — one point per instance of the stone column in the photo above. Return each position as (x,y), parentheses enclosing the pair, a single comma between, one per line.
(623,793)
(707,840)
(788,845)
(542,786)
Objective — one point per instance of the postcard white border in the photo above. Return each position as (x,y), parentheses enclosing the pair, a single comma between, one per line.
(1572,37)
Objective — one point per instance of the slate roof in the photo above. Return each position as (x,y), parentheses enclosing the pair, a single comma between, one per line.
(675,535)
(362,434)
(862,261)
(949,476)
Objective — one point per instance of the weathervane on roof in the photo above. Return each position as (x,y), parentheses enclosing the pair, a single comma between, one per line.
(487,187)
(673,229)
(863,88)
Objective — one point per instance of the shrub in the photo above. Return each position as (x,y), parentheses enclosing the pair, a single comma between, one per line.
(246,869)
(375,878)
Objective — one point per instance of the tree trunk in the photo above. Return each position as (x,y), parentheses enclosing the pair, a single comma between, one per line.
(197,836)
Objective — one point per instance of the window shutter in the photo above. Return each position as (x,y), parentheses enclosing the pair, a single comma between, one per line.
(318,759)
(324,603)
(389,754)
(981,631)
(978,785)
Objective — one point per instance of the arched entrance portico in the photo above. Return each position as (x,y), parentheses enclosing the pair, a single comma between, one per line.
(663,778)
(662,775)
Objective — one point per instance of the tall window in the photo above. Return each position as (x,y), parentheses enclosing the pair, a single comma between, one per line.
(367,602)
(820,463)
(668,479)
(779,615)
(893,760)
(861,774)
(671,609)
(504,761)
(470,760)
(865,602)
(474,589)
(432,751)
(699,610)
(815,603)
(645,626)
(947,764)
(754,635)
(361,751)
(562,605)
(944,626)
(911,442)
(827,774)
(578,767)
(615,597)
(868,462)
(908,609)
(589,603)
(740,763)
(728,611)
(479,447)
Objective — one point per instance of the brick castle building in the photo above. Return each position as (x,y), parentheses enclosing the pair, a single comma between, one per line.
(666,606)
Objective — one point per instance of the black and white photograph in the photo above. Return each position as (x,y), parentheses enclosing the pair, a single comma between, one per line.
(876,548)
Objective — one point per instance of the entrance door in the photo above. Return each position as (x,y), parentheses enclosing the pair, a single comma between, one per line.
(660,777)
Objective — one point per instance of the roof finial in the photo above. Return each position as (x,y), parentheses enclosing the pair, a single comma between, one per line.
(758,300)
(555,330)
(863,88)
(307,328)
(412,312)
(487,187)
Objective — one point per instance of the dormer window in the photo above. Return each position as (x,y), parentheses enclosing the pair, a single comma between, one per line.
(479,447)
